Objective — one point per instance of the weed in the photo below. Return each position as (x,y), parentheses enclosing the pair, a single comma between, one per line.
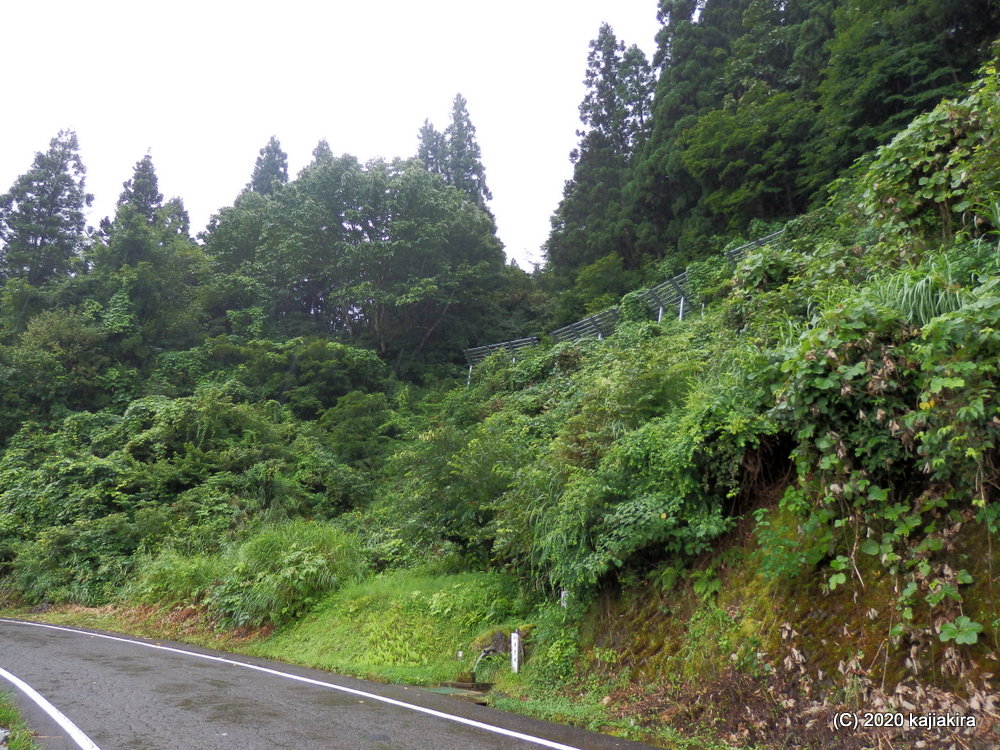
(21,737)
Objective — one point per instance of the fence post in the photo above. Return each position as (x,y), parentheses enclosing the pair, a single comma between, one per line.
(515,652)
(682,309)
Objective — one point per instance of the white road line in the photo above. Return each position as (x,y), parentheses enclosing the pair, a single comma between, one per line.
(58,716)
(307,680)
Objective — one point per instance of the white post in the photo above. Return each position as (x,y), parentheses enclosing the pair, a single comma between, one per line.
(515,652)
(469,381)
(659,315)
(682,309)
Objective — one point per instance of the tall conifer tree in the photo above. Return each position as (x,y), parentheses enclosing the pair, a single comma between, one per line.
(271,169)
(464,167)
(42,229)
(142,192)
(455,154)
(693,48)
(322,154)
(432,149)
(590,222)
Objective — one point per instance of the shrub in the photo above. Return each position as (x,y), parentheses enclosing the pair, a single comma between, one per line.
(283,570)
(172,577)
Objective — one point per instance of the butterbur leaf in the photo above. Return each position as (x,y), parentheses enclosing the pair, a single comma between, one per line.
(870,547)
(963,631)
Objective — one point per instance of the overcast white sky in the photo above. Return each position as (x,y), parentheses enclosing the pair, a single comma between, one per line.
(203,84)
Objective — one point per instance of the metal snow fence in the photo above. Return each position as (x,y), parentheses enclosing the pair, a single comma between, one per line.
(666,295)
(737,253)
(597,325)
(675,292)
(663,296)
(477,354)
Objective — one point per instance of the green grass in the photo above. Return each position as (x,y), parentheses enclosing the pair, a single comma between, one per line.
(403,626)
(408,626)
(270,577)
(21,737)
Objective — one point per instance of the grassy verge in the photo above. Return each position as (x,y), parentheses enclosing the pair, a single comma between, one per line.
(418,628)
(20,737)
(403,627)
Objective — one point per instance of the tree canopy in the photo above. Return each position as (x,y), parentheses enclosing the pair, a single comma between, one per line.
(271,170)
(142,192)
(758,106)
(455,154)
(42,225)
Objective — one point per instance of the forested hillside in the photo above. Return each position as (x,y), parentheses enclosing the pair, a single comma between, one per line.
(717,531)
(749,110)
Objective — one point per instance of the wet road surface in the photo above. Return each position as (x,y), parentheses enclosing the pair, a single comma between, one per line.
(125,695)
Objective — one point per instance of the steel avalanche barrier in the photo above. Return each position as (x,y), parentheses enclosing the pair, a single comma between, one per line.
(673,292)
(598,325)
(477,354)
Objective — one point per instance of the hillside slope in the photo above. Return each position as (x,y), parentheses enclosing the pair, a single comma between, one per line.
(775,511)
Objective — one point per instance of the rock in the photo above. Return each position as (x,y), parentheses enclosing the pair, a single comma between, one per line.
(501,642)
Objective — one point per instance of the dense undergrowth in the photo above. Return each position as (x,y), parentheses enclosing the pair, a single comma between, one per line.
(792,492)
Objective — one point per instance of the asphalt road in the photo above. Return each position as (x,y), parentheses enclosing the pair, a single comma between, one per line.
(127,693)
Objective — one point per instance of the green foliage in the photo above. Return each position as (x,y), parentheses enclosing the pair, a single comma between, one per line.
(142,192)
(41,216)
(598,286)
(591,227)
(274,575)
(554,662)
(80,494)
(956,415)
(927,178)
(746,159)
(581,462)
(632,307)
(709,280)
(962,630)
(270,173)
(21,737)
(758,106)
(464,169)
(386,255)
(888,397)
(887,63)
(173,577)
(282,571)
(455,154)
(85,561)
(221,428)
(309,374)
(766,267)
(405,625)
(361,428)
